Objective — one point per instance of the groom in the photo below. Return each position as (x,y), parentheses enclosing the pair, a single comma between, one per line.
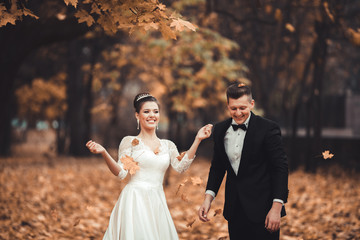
(249,149)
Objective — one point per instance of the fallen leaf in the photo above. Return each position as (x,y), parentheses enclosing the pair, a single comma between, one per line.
(77,221)
(130,164)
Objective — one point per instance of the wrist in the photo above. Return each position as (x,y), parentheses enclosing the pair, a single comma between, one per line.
(277,206)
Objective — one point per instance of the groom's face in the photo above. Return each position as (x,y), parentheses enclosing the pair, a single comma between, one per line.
(240,108)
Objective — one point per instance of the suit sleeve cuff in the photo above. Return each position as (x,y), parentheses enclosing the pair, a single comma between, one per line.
(212,193)
(278,200)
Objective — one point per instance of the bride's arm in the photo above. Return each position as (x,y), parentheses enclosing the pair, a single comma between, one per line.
(182,163)
(202,134)
(115,167)
(96,148)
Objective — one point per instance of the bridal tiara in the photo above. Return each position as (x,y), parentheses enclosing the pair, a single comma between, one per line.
(141,96)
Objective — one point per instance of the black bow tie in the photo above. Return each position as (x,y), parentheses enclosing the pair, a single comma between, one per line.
(237,126)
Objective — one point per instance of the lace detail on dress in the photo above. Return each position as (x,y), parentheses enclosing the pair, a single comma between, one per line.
(124,149)
(179,166)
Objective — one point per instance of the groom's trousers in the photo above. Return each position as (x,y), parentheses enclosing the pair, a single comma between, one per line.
(241,228)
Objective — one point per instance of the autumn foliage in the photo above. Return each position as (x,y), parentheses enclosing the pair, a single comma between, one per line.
(67,198)
(112,16)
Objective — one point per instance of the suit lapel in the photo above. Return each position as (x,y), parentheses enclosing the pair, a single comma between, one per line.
(222,132)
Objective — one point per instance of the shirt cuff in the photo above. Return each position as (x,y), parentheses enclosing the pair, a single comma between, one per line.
(278,200)
(210,192)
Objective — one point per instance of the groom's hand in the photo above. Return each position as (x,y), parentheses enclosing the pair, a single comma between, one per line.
(272,221)
(204,208)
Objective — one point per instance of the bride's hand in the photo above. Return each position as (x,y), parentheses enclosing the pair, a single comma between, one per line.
(95,147)
(204,132)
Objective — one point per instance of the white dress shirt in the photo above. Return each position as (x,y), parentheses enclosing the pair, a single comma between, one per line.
(234,143)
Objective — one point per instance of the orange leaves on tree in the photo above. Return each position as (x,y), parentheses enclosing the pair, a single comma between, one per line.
(129,164)
(71,2)
(354,36)
(327,10)
(180,25)
(326,154)
(83,16)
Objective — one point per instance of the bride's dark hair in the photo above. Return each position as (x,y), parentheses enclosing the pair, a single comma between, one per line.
(142,98)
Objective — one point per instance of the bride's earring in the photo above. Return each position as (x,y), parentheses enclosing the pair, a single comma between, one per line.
(137,124)
(157,127)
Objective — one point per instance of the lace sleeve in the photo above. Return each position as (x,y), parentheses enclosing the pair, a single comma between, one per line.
(124,149)
(179,165)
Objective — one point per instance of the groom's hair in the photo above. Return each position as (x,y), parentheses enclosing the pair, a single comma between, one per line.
(237,90)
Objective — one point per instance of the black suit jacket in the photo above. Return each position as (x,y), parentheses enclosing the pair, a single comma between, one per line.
(263,170)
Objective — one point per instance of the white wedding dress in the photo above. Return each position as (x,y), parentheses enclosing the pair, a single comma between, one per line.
(141,212)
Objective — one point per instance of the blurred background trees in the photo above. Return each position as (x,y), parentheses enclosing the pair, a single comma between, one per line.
(77,68)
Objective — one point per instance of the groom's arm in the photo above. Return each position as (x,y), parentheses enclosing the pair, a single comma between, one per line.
(279,163)
(217,168)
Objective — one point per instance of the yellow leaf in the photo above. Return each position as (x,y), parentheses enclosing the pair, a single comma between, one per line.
(129,164)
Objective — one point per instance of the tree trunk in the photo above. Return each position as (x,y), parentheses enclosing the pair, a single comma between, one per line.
(16,42)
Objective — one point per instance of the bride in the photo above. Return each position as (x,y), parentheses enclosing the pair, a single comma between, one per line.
(141,212)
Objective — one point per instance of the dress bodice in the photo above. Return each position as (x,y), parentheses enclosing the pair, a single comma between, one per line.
(152,165)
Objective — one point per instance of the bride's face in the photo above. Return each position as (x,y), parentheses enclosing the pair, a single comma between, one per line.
(149,115)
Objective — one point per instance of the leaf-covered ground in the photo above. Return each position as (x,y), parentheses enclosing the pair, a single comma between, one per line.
(67,198)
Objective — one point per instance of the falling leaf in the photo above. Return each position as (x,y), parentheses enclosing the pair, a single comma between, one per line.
(290,27)
(190,223)
(196,181)
(130,164)
(77,221)
(181,185)
(135,142)
(326,154)
(217,212)
(181,156)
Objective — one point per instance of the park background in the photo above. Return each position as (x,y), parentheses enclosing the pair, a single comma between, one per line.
(70,69)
